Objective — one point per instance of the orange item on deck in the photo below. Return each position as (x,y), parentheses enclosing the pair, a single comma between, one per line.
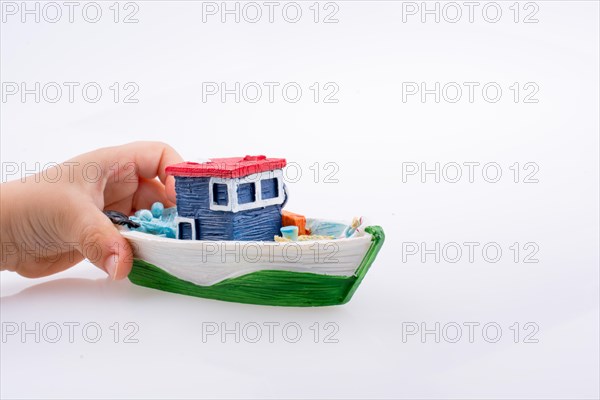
(290,218)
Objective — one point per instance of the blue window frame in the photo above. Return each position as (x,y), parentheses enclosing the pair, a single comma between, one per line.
(269,188)
(220,196)
(246,193)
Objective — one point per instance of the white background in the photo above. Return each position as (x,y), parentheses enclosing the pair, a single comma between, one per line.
(368,134)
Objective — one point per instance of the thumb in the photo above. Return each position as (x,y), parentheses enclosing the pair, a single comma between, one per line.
(101,243)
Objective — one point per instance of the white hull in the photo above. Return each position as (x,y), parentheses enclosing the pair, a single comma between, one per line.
(206,263)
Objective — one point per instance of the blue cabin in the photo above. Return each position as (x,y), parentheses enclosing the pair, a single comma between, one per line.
(229,198)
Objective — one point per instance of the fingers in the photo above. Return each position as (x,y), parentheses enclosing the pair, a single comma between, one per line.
(100,242)
(152,158)
(150,191)
(124,188)
(124,206)
(170,190)
(51,265)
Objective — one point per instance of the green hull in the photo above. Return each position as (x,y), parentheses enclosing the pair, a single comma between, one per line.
(268,287)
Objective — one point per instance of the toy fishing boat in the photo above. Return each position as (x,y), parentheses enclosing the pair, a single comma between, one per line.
(229,239)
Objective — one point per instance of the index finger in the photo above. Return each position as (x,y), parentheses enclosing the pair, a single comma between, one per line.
(151,158)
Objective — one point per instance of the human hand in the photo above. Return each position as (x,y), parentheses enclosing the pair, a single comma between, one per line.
(51,221)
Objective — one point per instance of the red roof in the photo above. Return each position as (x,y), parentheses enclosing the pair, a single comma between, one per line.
(232,167)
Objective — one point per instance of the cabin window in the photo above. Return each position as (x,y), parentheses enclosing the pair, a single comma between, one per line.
(185,231)
(220,196)
(246,193)
(269,188)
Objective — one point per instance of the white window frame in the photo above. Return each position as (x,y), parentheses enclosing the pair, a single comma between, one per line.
(191,221)
(211,199)
(232,185)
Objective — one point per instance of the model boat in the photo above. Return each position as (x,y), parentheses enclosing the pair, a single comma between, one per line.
(229,239)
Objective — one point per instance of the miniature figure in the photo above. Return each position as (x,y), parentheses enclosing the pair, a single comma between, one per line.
(222,240)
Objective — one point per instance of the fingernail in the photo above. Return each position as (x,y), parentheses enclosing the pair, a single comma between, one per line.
(110,265)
